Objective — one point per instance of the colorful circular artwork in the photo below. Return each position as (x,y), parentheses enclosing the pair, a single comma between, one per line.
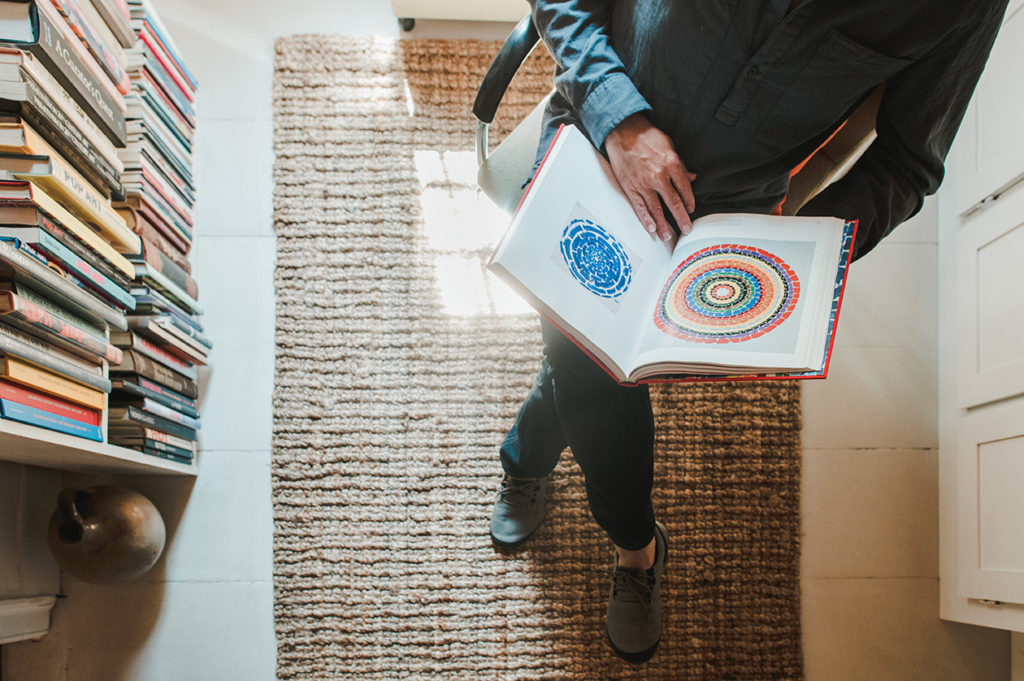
(596,259)
(727,294)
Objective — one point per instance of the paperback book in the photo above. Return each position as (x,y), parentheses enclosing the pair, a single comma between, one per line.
(741,296)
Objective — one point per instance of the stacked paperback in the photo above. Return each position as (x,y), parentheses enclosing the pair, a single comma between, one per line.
(98,331)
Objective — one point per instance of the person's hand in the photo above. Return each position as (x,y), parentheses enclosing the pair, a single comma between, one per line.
(647,167)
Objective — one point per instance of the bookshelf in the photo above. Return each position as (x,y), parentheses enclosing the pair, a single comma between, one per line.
(20,443)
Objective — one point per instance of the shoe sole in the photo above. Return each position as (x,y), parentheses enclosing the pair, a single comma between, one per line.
(510,545)
(634,658)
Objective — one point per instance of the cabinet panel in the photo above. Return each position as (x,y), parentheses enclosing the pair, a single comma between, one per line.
(990,454)
(990,146)
(990,304)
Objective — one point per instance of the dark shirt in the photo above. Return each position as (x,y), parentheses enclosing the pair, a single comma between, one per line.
(747,89)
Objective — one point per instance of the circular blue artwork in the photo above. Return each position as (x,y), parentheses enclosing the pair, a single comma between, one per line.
(596,259)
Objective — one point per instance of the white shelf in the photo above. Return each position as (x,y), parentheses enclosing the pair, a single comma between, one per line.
(22,443)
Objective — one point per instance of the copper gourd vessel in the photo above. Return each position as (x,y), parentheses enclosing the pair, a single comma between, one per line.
(105,533)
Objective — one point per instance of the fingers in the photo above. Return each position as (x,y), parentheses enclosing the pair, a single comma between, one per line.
(642,213)
(662,230)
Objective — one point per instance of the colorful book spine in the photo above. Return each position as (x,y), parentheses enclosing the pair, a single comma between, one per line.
(61,53)
(55,405)
(24,347)
(162,454)
(79,267)
(106,59)
(133,340)
(84,201)
(28,194)
(138,386)
(166,412)
(16,411)
(163,283)
(27,375)
(136,415)
(142,226)
(157,260)
(95,330)
(16,265)
(67,135)
(19,311)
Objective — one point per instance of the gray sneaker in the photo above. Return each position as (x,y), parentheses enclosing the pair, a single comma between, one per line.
(634,605)
(518,510)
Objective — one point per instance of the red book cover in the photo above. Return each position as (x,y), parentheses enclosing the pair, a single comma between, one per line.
(48,403)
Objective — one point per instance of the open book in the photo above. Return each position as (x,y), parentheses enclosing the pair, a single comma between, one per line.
(741,296)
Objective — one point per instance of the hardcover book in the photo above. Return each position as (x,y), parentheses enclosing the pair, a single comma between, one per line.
(23,194)
(37,27)
(741,296)
(23,373)
(35,408)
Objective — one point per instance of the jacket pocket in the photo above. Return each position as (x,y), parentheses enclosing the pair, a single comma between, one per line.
(837,77)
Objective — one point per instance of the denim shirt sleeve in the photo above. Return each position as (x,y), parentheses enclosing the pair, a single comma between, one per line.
(590,74)
(921,110)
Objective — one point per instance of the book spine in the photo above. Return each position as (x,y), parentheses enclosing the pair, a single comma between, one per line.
(187,329)
(42,277)
(145,229)
(170,427)
(21,312)
(85,271)
(162,224)
(166,412)
(57,52)
(153,23)
(162,395)
(165,64)
(182,452)
(103,55)
(90,366)
(170,196)
(170,289)
(36,197)
(158,261)
(150,451)
(56,310)
(160,436)
(150,350)
(54,405)
(80,118)
(119,22)
(52,384)
(75,245)
(18,347)
(24,413)
(86,201)
(138,363)
(43,112)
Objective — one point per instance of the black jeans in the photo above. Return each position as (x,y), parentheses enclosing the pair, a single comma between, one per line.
(608,427)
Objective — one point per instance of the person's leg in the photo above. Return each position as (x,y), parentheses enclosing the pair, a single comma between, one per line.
(610,429)
(534,443)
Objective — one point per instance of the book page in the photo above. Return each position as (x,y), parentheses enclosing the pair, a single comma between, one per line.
(746,291)
(578,254)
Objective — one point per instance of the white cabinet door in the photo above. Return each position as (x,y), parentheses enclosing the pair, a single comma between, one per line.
(990,452)
(989,152)
(990,302)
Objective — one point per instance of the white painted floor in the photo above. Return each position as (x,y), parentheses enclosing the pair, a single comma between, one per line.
(870,553)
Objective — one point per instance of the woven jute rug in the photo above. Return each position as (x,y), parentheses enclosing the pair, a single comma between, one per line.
(399,370)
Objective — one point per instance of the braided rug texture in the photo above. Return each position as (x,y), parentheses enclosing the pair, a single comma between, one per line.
(389,409)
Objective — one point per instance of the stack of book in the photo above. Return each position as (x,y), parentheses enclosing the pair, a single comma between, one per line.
(153,405)
(98,334)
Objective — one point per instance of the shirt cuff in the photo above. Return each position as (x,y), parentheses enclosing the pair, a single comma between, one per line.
(611,102)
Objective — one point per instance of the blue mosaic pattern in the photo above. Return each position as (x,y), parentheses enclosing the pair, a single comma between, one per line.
(596,259)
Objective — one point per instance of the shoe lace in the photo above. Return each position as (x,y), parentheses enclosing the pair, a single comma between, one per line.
(519,492)
(634,585)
